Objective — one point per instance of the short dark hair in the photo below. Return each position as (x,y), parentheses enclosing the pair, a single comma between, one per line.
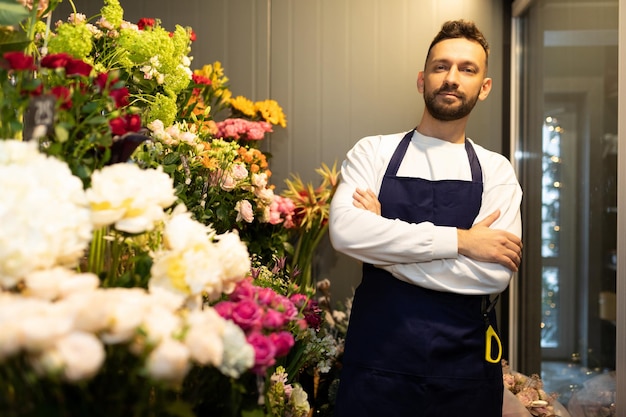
(454,29)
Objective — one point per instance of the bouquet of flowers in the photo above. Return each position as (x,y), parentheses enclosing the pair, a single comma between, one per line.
(159,271)
(49,311)
(153,62)
(529,391)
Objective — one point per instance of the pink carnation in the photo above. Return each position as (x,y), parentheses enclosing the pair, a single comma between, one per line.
(282,209)
(242,129)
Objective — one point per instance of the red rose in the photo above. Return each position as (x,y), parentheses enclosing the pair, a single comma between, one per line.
(19,61)
(63,95)
(104,80)
(133,123)
(77,67)
(37,91)
(120,96)
(118,126)
(145,22)
(192,36)
(55,60)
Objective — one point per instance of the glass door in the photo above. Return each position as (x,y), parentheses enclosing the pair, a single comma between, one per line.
(565,64)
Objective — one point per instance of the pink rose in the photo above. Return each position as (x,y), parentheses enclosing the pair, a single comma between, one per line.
(265,296)
(283,341)
(273,320)
(264,352)
(239,171)
(225,309)
(247,315)
(227,182)
(284,305)
(244,290)
(244,211)
(299,300)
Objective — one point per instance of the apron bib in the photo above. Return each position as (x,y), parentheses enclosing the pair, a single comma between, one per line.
(412,351)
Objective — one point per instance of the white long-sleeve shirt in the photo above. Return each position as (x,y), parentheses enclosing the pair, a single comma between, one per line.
(423,254)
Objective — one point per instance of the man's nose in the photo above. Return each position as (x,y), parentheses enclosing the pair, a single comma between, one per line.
(452,76)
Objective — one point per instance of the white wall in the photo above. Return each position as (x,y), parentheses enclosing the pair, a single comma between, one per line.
(341,69)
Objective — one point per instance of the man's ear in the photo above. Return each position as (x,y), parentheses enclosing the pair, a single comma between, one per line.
(485,89)
(420,81)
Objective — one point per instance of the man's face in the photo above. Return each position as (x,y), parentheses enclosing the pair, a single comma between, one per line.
(453,79)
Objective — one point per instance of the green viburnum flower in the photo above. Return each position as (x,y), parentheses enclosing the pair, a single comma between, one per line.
(73,39)
(175,67)
(160,57)
(112,12)
(162,108)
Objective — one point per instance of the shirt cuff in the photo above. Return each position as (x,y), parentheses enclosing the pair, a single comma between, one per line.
(445,243)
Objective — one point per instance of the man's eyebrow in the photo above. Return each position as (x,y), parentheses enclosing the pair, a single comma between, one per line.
(462,63)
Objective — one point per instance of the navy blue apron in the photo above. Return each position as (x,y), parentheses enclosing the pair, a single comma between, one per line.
(412,351)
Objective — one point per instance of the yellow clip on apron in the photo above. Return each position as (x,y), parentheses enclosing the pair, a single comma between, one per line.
(490,333)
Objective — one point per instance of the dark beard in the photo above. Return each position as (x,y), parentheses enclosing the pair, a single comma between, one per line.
(446,113)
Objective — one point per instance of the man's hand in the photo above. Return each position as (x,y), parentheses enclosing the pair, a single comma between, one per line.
(366,199)
(491,245)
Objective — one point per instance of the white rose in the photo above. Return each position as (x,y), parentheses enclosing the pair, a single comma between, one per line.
(181,231)
(129,197)
(227,182)
(259,180)
(204,337)
(126,309)
(89,309)
(44,213)
(82,355)
(58,282)
(238,353)
(44,327)
(169,361)
(234,256)
(160,324)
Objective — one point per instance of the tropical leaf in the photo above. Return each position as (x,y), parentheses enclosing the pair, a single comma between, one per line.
(12,40)
(12,13)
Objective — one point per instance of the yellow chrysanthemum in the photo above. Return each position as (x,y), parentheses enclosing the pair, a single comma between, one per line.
(271,112)
(243,105)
